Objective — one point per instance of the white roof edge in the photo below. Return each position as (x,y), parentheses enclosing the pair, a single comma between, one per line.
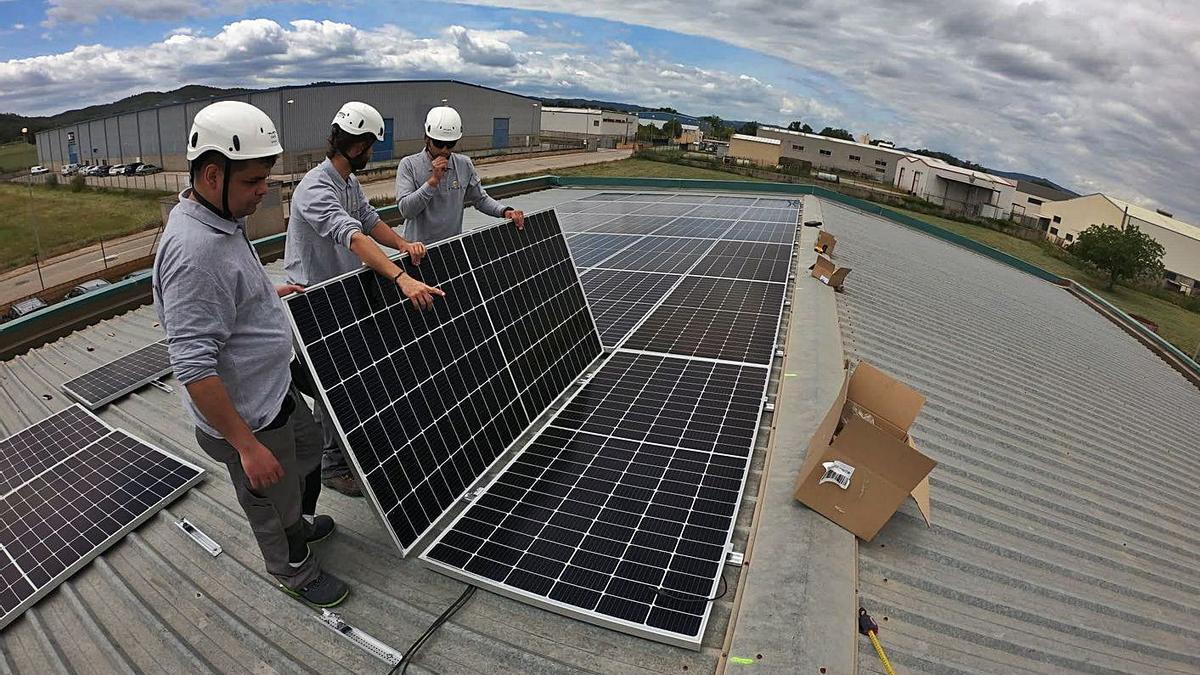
(757,139)
(939,164)
(819,137)
(1153,217)
(589,111)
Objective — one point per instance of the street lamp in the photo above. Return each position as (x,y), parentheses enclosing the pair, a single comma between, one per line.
(36,238)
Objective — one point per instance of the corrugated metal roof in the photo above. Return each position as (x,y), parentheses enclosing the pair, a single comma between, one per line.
(1069,455)
(156,602)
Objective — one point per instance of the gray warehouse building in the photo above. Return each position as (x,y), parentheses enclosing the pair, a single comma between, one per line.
(491,119)
(871,162)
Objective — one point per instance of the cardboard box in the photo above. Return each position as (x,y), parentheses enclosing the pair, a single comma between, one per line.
(861,464)
(825,243)
(828,273)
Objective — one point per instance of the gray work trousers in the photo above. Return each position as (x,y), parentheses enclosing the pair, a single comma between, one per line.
(333,461)
(276,511)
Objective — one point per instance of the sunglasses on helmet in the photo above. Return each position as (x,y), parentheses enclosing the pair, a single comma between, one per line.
(442,144)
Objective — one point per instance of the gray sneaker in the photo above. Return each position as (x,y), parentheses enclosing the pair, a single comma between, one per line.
(325,591)
(321,527)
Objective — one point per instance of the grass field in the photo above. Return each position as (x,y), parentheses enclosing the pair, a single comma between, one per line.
(17,156)
(67,220)
(1177,325)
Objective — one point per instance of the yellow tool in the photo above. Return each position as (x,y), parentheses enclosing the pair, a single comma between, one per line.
(868,627)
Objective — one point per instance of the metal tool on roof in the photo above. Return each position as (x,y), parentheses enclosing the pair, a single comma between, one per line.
(868,627)
(365,642)
(213,548)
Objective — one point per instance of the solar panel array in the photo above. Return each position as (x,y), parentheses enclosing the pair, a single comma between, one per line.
(621,511)
(70,487)
(120,376)
(424,402)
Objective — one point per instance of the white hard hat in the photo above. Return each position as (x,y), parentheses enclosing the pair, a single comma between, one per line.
(235,129)
(359,118)
(443,123)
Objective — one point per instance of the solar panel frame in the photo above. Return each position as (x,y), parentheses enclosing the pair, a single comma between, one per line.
(488,290)
(77,389)
(592,248)
(13,603)
(616,313)
(755,261)
(761,231)
(603,620)
(675,255)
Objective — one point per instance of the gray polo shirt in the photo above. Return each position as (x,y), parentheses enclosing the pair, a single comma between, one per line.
(326,212)
(221,313)
(434,214)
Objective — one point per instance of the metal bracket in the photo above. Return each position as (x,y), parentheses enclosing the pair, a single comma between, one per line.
(735,558)
(213,548)
(769,407)
(165,387)
(779,353)
(334,622)
(473,494)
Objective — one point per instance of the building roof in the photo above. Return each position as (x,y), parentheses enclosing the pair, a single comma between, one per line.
(579,111)
(842,141)
(1043,191)
(1058,541)
(756,139)
(1151,216)
(969,174)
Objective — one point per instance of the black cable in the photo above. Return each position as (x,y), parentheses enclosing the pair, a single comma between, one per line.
(695,598)
(402,667)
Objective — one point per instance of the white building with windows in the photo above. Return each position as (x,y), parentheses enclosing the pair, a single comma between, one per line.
(862,160)
(957,190)
(598,128)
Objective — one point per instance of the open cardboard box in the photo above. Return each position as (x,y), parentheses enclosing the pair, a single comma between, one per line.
(861,464)
(828,273)
(825,243)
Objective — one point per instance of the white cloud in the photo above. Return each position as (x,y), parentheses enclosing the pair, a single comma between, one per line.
(90,11)
(18,26)
(1096,93)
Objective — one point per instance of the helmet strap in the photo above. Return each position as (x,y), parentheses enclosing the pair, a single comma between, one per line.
(223,211)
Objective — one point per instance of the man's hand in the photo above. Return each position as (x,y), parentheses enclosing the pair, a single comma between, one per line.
(439,170)
(518,217)
(260,465)
(415,251)
(288,289)
(419,293)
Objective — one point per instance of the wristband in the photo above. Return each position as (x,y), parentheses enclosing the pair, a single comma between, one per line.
(398,275)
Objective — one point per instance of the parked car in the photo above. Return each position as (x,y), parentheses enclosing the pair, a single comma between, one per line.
(38,170)
(147,169)
(69,169)
(99,170)
(116,170)
(131,168)
(138,273)
(23,308)
(87,287)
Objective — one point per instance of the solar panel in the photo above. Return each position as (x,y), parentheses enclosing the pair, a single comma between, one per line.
(100,485)
(618,208)
(664,209)
(770,233)
(714,318)
(660,254)
(747,260)
(425,402)
(120,376)
(729,200)
(633,224)
(581,222)
(620,299)
(689,199)
(689,226)
(768,203)
(770,215)
(589,249)
(621,512)
(605,197)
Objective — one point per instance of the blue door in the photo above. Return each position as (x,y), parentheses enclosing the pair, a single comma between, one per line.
(383,149)
(499,132)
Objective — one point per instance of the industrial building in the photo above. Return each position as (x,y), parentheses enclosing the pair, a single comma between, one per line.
(595,127)
(1181,241)
(957,190)
(871,162)
(491,119)
(659,118)
(1030,197)
(754,149)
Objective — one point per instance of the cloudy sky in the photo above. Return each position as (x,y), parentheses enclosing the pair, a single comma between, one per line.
(1094,94)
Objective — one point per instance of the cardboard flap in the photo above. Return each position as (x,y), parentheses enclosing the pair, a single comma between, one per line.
(825,243)
(839,277)
(898,463)
(822,268)
(920,495)
(885,396)
(824,433)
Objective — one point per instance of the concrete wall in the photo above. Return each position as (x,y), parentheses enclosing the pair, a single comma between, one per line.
(158,135)
(873,162)
(756,151)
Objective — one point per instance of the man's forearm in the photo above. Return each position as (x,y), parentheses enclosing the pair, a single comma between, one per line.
(372,256)
(212,399)
(384,234)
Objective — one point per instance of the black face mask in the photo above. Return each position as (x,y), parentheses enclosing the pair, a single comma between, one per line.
(359,163)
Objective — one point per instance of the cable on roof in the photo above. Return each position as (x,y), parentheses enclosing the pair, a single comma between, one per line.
(402,667)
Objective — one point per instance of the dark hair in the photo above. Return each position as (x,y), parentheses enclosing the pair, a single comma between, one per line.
(214,157)
(340,142)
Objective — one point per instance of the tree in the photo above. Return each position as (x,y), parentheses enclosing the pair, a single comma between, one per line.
(749,128)
(1122,253)
(673,129)
(717,128)
(836,133)
(800,126)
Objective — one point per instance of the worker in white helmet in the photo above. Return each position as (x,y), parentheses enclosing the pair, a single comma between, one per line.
(333,230)
(433,185)
(230,345)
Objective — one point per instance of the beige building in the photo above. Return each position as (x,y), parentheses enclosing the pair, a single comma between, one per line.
(754,149)
(1180,240)
(871,162)
(597,128)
